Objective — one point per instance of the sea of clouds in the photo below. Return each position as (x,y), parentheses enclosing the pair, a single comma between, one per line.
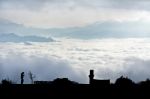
(73,58)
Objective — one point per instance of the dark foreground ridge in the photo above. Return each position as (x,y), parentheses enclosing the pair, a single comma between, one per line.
(64,88)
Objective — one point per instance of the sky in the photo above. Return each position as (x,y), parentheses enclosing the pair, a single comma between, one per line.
(73,13)
(109,36)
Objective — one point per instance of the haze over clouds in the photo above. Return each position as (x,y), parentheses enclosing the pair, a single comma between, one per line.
(72,13)
(110,58)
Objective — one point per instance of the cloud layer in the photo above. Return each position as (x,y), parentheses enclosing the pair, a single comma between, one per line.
(110,58)
(43,67)
(72,13)
(36,4)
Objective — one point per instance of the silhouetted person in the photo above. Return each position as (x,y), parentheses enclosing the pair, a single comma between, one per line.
(22,77)
(91,76)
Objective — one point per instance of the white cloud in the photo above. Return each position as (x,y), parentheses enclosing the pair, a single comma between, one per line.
(72,13)
(13,62)
(110,58)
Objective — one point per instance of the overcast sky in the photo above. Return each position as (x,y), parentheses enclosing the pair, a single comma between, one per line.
(73,13)
(122,18)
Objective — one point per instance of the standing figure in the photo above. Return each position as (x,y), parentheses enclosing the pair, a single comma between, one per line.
(22,77)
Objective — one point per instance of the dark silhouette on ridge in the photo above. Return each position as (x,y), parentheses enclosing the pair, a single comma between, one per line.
(124,82)
(6,82)
(31,76)
(96,82)
(65,88)
(22,77)
(91,76)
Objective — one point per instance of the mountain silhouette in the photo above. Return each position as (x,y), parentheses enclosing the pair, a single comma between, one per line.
(11,37)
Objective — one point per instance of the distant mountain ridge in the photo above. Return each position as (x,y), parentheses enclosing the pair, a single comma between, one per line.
(111,29)
(11,37)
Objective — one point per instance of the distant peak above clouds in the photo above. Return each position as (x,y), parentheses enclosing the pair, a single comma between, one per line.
(11,37)
(105,29)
